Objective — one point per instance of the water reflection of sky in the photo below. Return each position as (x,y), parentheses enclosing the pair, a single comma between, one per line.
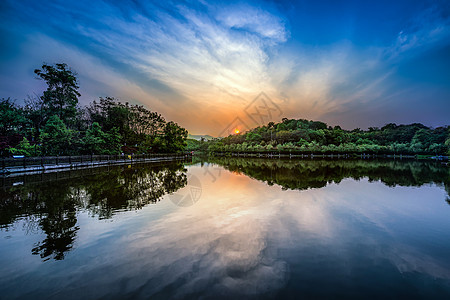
(245,238)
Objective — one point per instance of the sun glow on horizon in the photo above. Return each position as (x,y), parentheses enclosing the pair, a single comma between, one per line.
(202,63)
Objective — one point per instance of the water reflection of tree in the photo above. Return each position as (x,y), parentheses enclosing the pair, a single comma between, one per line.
(304,174)
(52,206)
(132,188)
(58,221)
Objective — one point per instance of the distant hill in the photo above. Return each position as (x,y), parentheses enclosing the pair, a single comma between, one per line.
(198,137)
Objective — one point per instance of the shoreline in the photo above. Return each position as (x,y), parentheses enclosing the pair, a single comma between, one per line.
(272,155)
(71,164)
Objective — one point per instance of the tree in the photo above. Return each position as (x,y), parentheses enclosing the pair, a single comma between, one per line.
(145,122)
(25,148)
(422,136)
(109,113)
(34,111)
(61,96)
(174,137)
(12,119)
(56,139)
(136,124)
(13,125)
(447,142)
(98,142)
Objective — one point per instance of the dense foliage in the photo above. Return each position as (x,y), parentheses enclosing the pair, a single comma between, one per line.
(303,136)
(54,123)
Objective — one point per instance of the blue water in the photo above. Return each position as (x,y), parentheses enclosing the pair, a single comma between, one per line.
(230,228)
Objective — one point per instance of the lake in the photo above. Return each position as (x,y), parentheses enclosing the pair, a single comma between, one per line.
(229,228)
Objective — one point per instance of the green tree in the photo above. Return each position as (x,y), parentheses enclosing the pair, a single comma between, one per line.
(137,125)
(174,137)
(13,125)
(34,111)
(25,148)
(422,136)
(61,96)
(447,142)
(56,138)
(12,119)
(110,113)
(98,142)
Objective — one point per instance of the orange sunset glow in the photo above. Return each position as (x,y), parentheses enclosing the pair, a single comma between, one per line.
(352,74)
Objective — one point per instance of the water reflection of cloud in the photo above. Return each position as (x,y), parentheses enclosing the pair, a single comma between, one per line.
(239,238)
(227,244)
(408,260)
(397,217)
(220,244)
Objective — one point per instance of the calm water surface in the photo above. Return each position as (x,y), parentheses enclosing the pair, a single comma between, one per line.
(244,228)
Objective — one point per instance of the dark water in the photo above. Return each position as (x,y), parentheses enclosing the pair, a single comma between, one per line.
(229,228)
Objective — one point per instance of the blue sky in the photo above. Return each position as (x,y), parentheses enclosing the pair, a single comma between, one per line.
(200,63)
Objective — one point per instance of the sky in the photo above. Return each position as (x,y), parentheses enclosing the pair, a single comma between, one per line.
(212,66)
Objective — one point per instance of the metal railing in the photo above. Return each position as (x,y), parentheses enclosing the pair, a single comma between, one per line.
(9,163)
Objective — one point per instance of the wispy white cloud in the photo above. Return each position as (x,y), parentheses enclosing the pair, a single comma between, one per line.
(352,86)
(424,30)
(194,52)
(199,54)
(255,20)
(206,61)
(210,57)
(316,84)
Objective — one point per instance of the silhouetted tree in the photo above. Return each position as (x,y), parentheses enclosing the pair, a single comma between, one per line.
(61,96)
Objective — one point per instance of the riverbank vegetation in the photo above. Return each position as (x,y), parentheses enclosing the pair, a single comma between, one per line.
(303,136)
(55,124)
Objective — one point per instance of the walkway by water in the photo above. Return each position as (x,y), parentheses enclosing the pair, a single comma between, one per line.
(11,166)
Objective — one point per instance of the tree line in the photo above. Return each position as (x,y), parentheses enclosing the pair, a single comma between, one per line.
(303,136)
(55,124)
